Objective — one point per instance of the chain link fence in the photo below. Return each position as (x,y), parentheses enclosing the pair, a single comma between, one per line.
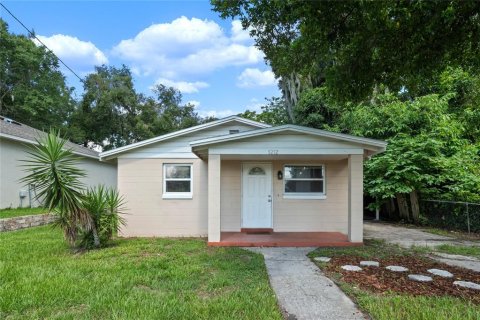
(451,215)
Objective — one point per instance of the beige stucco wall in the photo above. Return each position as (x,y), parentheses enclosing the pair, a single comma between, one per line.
(11,152)
(98,173)
(141,183)
(330,214)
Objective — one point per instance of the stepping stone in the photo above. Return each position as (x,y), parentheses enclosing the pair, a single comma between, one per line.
(351,268)
(322,259)
(467,284)
(419,278)
(396,268)
(369,263)
(440,273)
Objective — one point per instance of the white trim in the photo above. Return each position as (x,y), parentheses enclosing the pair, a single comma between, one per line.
(110,153)
(15,138)
(177,195)
(172,195)
(371,144)
(284,151)
(306,195)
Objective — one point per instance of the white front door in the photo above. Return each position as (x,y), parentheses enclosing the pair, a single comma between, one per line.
(257,195)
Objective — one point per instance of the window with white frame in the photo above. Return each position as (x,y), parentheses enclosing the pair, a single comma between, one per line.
(304,181)
(177,180)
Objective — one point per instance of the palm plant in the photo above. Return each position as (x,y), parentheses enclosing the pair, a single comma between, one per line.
(88,217)
(52,170)
(105,206)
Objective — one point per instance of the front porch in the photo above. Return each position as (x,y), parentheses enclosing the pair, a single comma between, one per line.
(283,239)
(305,184)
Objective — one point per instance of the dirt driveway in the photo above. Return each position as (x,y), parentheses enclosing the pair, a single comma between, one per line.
(408,237)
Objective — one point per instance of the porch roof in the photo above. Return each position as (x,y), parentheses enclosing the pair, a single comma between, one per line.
(287,141)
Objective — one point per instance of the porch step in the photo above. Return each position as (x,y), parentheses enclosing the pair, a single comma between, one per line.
(284,239)
(256,230)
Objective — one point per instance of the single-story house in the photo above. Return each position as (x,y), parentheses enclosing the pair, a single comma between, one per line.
(246,183)
(14,140)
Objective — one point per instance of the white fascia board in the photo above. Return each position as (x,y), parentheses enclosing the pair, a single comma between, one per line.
(10,137)
(108,154)
(285,151)
(376,144)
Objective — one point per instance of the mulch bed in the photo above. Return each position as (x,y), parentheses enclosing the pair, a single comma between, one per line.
(381,280)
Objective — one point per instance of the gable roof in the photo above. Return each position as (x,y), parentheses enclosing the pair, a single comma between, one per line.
(376,146)
(13,130)
(112,153)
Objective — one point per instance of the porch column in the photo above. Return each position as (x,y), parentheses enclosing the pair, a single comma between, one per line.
(214,163)
(355,198)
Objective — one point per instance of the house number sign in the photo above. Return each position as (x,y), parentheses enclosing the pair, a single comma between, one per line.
(273,152)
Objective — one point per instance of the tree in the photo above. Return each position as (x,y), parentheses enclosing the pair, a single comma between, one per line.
(32,88)
(112,114)
(172,114)
(317,109)
(108,109)
(429,150)
(274,113)
(351,46)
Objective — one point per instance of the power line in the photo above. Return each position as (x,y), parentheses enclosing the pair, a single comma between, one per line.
(43,44)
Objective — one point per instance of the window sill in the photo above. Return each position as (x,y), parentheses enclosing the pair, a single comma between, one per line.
(177,196)
(305,197)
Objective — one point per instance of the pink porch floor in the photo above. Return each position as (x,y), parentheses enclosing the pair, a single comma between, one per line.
(284,239)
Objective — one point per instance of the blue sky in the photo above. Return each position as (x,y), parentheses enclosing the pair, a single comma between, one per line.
(179,43)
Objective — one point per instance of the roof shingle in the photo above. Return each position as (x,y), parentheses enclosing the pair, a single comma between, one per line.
(19,131)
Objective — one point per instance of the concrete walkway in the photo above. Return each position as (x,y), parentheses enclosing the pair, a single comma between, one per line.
(302,290)
(407,238)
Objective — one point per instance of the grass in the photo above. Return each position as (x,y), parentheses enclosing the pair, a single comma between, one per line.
(133,279)
(18,212)
(439,232)
(373,249)
(461,250)
(391,307)
(396,306)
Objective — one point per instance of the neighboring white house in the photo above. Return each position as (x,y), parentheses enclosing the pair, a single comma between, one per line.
(246,183)
(14,140)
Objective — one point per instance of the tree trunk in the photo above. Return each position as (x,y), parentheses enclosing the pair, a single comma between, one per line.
(96,239)
(402,206)
(415,206)
(390,208)
(292,86)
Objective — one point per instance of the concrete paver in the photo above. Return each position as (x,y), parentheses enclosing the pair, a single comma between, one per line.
(302,290)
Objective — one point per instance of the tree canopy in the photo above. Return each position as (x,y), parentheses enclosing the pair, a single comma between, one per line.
(32,88)
(112,114)
(350,46)
(402,71)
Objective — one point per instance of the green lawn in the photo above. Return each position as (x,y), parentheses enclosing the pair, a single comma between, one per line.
(10,213)
(133,279)
(392,306)
(461,250)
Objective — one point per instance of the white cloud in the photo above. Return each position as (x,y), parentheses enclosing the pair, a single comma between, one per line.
(183,86)
(216,113)
(185,47)
(195,103)
(238,34)
(75,52)
(252,77)
(255,105)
